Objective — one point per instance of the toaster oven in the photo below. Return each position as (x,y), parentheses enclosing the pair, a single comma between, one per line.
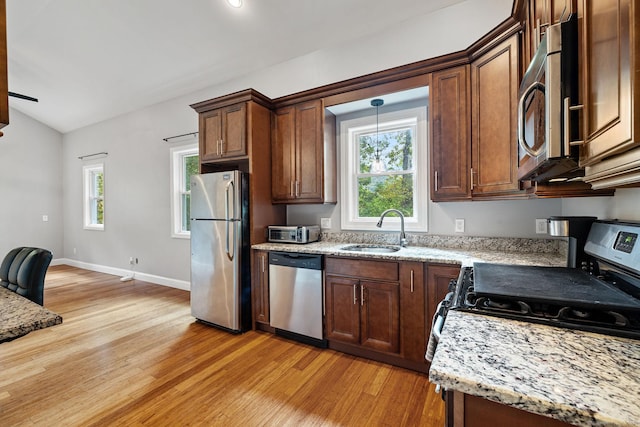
(293,233)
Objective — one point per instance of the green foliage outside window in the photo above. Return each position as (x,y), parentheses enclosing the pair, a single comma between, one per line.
(99,197)
(392,188)
(191,166)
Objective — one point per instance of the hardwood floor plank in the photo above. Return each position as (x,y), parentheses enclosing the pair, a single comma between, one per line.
(129,353)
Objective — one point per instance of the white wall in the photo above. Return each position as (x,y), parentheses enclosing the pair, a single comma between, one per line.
(30,185)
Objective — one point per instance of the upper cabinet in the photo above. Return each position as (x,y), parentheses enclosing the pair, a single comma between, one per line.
(235,133)
(450,148)
(4,89)
(494,97)
(303,156)
(223,133)
(610,66)
(537,16)
(473,120)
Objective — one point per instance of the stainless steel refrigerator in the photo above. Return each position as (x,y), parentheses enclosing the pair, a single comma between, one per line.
(220,272)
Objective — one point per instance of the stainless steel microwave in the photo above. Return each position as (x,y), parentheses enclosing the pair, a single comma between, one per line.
(547,116)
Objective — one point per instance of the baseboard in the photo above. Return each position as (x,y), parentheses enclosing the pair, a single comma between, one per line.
(151,278)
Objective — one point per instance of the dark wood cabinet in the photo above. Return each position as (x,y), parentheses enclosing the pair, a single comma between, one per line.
(450,130)
(362,310)
(413,311)
(537,16)
(304,154)
(465,410)
(342,309)
(223,133)
(380,315)
(610,67)
(438,278)
(377,309)
(260,289)
(4,87)
(494,97)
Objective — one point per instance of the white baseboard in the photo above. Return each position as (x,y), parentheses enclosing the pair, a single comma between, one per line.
(151,278)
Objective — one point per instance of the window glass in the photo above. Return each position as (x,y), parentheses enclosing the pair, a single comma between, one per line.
(384,167)
(184,163)
(93,196)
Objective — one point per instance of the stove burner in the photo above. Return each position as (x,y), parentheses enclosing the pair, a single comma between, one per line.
(600,320)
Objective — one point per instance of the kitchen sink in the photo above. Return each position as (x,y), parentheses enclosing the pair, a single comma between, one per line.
(378,249)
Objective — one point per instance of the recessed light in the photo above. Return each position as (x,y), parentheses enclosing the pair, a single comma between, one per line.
(235,3)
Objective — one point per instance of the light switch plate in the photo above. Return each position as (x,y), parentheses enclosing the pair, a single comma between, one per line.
(459,225)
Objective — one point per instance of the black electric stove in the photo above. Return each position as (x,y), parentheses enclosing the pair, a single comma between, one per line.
(604,297)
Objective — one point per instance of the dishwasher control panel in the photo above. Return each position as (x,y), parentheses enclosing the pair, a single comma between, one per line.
(297,260)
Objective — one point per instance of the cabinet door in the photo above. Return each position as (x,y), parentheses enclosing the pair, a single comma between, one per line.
(210,135)
(342,309)
(450,143)
(260,287)
(438,278)
(234,131)
(413,307)
(494,94)
(380,315)
(4,90)
(309,151)
(283,155)
(609,68)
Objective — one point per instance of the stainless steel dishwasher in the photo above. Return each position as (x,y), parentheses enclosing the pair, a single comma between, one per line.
(296,296)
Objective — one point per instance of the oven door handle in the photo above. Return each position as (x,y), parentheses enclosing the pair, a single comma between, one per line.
(436,329)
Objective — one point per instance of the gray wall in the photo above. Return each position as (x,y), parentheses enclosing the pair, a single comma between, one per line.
(30,185)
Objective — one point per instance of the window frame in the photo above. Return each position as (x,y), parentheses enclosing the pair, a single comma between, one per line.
(178,187)
(349,169)
(90,198)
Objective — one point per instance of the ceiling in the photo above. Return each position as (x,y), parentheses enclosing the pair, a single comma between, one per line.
(89,60)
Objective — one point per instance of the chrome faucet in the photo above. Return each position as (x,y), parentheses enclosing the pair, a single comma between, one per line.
(403,237)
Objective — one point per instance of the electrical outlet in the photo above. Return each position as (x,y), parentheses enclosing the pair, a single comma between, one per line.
(45,218)
(325,222)
(131,260)
(459,225)
(541,226)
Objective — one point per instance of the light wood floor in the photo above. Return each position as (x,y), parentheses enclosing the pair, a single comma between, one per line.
(131,354)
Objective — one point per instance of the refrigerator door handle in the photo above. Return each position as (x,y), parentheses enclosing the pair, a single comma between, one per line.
(230,189)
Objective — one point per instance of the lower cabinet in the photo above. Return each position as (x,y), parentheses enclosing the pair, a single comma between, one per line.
(379,309)
(464,410)
(260,290)
(363,312)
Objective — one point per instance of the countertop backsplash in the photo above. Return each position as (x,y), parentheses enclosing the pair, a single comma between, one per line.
(506,244)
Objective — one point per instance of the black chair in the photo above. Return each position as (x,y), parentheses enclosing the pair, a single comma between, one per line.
(23,270)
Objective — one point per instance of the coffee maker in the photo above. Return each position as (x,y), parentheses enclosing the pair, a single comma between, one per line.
(576,228)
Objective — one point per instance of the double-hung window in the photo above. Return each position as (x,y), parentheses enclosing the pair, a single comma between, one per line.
(93,182)
(184,163)
(384,166)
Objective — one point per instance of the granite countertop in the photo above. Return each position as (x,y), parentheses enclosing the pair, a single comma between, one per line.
(578,377)
(19,316)
(464,257)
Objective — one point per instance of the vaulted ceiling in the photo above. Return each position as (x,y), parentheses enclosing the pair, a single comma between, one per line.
(89,60)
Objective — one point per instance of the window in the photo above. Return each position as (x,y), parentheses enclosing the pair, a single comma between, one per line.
(401,183)
(184,163)
(93,196)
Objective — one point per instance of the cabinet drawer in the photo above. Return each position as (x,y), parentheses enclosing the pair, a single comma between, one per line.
(372,269)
